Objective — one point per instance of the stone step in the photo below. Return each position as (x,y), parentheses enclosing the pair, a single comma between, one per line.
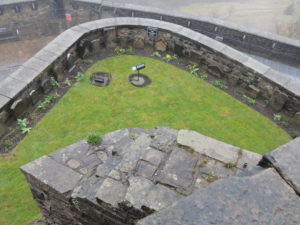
(263,198)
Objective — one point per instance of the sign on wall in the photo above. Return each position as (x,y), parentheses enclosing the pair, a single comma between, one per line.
(152,32)
(68,17)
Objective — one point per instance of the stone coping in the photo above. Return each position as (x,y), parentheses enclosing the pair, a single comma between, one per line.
(18,82)
(217,22)
(10,2)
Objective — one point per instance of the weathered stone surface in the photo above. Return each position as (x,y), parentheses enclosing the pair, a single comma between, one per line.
(139,41)
(296,119)
(111,192)
(248,160)
(74,164)
(19,107)
(145,169)
(261,199)
(115,136)
(10,87)
(160,46)
(61,178)
(138,186)
(35,96)
(253,91)
(285,160)
(46,86)
(178,171)
(160,197)
(3,129)
(278,100)
(208,146)
(153,156)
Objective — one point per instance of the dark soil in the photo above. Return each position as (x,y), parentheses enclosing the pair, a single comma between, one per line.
(14,135)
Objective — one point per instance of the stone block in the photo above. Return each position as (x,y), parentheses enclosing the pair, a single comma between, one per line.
(178,170)
(35,96)
(111,192)
(3,129)
(278,100)
(160,46)
(296,119)
(3,101)
(19,107)
(46,85)
(253,91)
(153,156)
(248,160)
(145,169)
(4,115)
(139,41)
(47,171)
(263,198)
(138,186)
(208,146)
(10,87)
(286,161)
(111,37)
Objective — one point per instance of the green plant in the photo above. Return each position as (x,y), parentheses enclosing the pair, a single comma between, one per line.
(94,139)
(249,100)
(67,82)
(156,54)
(132,137)
(219,84)
(23,123)
(47,100)
(229,165)
(88,61)
(7,143)
(193,69)
(211,178)
(169,58)
(54,82)
(203,76)
(277,117)
(79,76)
(120,51)
(295,134)
(285,123)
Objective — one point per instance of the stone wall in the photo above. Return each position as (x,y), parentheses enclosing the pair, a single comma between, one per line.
(25,25)
(132,174)
(165,176)
(23,88)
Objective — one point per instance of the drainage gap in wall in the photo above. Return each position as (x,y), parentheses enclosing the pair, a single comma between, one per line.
(139,80)
(101,79)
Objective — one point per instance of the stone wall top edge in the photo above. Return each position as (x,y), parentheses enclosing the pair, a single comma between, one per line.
(11,2)
(243,29)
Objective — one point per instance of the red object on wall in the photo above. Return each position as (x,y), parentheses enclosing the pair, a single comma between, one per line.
(68,17)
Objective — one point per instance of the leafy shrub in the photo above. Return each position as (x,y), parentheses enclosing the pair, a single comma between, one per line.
(277,117)
(203,76)
(219,84)
(249,100)
(88,61)
(169,58)
(7,143)
(54,82)
(193,69)
(156,54)
(23,123)
(67,82)
(79,76)
(47,100)
(94,139)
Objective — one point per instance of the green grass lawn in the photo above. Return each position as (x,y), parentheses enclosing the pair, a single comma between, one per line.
(175,99)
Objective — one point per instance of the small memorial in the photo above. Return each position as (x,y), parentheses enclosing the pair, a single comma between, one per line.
(138,79)
(101,79)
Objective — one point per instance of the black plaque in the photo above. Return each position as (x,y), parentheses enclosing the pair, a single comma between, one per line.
(152,32)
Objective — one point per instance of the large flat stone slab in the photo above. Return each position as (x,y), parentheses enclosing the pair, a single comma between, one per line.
(285,160)
(208,146)
(49,172)
(260,199)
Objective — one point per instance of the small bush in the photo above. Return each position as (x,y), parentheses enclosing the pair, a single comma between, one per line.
(67,82)
(88,61)
(156,54)
(79,76)
(277,117)
(48,100)
(169,58)
(122,51)
(23,123)
(7,143)
(219,84)
(54,82)
(193,69)
(203,76)
(249,100)
(94,139)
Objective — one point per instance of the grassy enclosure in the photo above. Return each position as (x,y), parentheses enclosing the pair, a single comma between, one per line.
(175,99)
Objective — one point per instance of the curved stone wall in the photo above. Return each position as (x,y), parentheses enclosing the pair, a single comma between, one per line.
(23,88)
(25,24)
